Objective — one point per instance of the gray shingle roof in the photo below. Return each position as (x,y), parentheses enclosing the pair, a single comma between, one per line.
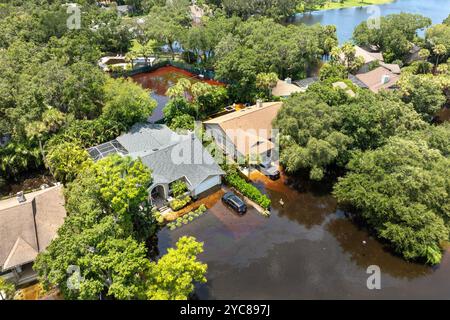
(169,155)
(147,137)
(186,158)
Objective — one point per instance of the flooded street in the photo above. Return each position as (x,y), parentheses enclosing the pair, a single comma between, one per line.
(307,249)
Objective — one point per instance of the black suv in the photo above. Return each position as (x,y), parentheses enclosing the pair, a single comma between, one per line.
(234,202)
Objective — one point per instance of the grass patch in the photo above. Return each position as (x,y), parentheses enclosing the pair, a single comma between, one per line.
(353,3)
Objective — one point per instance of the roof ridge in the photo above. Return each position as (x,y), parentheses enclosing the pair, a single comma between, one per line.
(239,113)
(14,250)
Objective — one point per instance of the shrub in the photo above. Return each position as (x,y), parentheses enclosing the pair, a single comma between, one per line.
(178,188)
(191,218)
(178,204)
(247,189)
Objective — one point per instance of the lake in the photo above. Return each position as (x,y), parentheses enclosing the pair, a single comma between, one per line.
(307,249)
(348,18)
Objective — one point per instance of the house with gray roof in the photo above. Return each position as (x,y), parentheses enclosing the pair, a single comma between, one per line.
(170,156)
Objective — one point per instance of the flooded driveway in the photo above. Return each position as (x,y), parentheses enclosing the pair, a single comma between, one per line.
(307,249)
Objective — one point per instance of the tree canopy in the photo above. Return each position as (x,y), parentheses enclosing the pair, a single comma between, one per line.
(322,128)
(395,37)
(402,190)
(102,249)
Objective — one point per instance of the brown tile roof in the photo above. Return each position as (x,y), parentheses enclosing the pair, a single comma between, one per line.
(252,127)
(372,79)
(26,229)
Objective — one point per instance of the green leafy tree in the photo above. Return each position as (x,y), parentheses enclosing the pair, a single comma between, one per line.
(83,91)
(166,24)
(317,136)
(178,188)
(126,102)
(424,92)
(145,50)
(395,35)
(66,160)
(332,71)
(402,191)
(266,82)
(173,276)
(122,185)
(182,122)
(7,289)
(437,37)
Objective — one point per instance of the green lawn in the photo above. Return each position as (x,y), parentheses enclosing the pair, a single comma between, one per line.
(353,3)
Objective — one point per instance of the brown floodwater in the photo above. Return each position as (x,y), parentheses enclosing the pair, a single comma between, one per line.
(160,80)
(307,249)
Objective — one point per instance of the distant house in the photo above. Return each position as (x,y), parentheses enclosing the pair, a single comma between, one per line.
(379,78)
(369,57)
(413,54)
(170,157)
(107,63)
(26,229)
(285,88)
(303,84)
(246,132)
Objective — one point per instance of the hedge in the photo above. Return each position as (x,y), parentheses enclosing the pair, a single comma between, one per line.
(247,189)
(178,204)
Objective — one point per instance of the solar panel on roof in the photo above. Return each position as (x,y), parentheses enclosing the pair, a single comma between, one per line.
(105,149)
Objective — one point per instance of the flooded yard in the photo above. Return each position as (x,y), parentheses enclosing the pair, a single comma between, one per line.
(160,80)
(307,249)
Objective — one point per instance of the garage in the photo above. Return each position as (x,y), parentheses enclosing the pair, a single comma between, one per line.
(207,184)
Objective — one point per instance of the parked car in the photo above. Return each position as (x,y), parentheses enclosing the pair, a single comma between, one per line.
(269,170)
(234,202)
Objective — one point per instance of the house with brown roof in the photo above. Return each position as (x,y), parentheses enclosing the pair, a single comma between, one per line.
(378,79)
(26,229)
(285,88)
(368,57)
(246,132)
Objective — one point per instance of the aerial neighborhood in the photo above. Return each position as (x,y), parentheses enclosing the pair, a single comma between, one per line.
(177,150)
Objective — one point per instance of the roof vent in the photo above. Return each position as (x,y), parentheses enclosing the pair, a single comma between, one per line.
(21,197)
(385,79)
